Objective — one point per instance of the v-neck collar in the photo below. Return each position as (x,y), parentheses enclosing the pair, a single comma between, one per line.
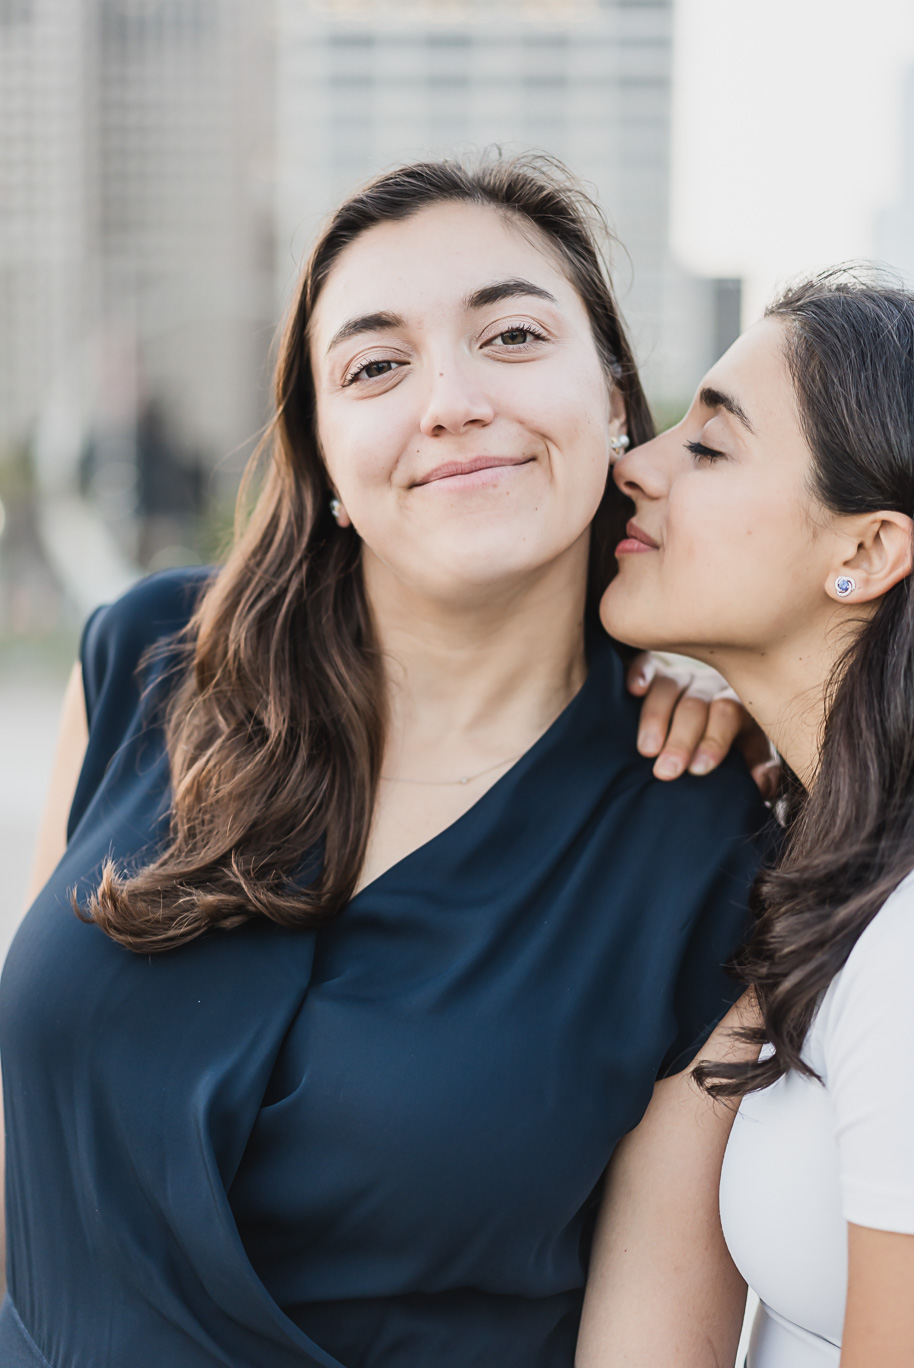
(589,718)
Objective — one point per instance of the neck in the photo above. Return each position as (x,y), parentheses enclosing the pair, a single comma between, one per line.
(477,681)
(785,688)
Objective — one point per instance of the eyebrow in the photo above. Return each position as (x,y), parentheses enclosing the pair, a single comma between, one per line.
(714,398)
(373,322)
(478,299)
(506,289)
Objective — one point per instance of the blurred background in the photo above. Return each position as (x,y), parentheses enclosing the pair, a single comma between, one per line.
(164,165)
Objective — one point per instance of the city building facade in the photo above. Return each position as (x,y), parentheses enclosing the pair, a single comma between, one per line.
(135,210)
(165,165)
(365,84)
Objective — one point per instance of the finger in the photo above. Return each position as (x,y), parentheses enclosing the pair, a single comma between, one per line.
(768,777)
(689,725)
(640,673)
(726,717)
(657,712)
(755,746)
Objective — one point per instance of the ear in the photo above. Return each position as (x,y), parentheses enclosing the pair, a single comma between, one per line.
(882,556)
(338,510)
(618,418)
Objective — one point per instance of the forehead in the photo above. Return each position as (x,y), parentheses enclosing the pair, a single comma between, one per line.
(427,264)
(755,372)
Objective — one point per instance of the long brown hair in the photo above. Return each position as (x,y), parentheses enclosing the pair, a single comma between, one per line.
(275,732)
(850,346)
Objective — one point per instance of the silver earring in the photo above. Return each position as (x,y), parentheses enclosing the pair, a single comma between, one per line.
(336,508)
(619,444)
(844,585)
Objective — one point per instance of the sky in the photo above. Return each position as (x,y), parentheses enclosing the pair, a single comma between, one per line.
(787,122)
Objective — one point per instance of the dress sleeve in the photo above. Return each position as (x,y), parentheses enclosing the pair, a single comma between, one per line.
(91,659)
(868,1048)
(113,644)
(711,839)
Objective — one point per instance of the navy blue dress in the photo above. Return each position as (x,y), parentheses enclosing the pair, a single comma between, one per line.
(379,1145)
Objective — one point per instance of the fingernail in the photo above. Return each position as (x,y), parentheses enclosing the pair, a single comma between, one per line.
(639,679)
(702,764)
(667,767)
(649,743)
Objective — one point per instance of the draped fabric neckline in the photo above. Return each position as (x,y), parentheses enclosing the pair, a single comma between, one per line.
(515,773)
(380,1142)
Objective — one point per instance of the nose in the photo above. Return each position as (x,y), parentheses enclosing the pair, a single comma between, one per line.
(455,401)
(645,472)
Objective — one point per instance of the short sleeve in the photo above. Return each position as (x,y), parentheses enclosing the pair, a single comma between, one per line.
(868,1046)
(714,837)
(113,644)
(92,652)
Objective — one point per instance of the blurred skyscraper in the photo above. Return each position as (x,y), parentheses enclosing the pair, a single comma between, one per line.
(135,212)
(42,200)
(164,165)
(362,84)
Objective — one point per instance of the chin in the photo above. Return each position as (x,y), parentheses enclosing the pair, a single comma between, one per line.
(494,556)
(624,624)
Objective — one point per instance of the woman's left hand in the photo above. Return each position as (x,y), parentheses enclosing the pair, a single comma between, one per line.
(691,719)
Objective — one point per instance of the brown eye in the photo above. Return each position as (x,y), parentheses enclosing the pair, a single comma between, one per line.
(514,337)
(372,370)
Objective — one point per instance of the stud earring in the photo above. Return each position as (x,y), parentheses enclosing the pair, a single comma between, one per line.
(844,585)
(619,445)
(336,508)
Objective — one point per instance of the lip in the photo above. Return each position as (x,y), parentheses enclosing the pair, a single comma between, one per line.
(460,471)
(636,541)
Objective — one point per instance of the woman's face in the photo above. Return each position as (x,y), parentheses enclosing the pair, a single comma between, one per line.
(462,409)
(728,549)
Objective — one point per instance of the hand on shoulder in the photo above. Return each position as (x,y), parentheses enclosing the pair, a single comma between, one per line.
(691,719)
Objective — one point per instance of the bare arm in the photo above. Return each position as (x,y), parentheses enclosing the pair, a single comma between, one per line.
(879,1319)
(72,738)
(662,1288)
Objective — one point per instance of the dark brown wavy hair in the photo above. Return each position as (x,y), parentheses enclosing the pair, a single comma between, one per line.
(849,343)
(275,727)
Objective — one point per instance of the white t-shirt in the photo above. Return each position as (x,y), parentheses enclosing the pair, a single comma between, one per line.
(804,1159)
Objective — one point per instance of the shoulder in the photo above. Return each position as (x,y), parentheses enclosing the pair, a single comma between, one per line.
(118,634)
(121,704)
(704,840)
(698,813)
(152,608)
(890,935)
(698,816)
(866,1025)
(871,996)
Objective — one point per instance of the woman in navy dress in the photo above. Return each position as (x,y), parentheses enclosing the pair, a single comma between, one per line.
(386,927)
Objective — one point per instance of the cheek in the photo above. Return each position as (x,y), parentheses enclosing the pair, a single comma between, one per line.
(359,451)
(728,547)
(737,567)
(702,523)
(572,412)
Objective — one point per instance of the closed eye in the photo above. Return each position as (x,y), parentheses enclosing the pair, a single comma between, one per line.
(702,452)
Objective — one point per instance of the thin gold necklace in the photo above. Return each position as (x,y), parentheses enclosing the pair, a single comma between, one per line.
(441,783)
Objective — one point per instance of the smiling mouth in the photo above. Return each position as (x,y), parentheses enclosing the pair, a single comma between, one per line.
(453,471)
(635,541)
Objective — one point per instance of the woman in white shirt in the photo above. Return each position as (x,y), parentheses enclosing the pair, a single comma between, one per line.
(772,538)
